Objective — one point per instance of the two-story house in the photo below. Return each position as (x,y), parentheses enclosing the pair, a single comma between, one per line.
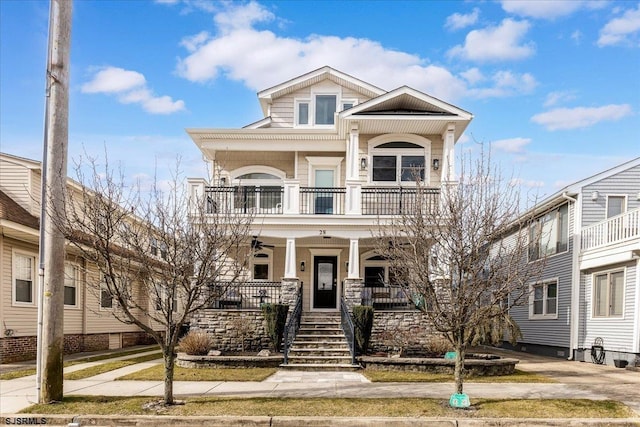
(89,323)
(587,304)
(332,156)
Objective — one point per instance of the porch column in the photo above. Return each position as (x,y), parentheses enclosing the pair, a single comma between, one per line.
(290,271)
(291,202)
(289,291)
(353,283)
(196,194)
(448,159)
(353,173)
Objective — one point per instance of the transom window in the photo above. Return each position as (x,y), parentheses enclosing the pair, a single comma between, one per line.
(23,278)
(549,234)
(399,161)
(544,300)
(608,294)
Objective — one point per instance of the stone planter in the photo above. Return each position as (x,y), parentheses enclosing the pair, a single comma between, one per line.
(186,361)
(479,366)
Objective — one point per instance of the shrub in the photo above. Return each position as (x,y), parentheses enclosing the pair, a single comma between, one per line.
(437,345)
(196,343)
(276,318)
(362,323)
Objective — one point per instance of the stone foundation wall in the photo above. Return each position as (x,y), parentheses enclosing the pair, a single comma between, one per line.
(221,362)
(129,339)
(410,325)
(475,367)
(225,327)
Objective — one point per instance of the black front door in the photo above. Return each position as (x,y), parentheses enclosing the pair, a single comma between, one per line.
(325,281)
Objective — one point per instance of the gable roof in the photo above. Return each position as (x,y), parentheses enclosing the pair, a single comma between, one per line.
(313,77)
(12,211)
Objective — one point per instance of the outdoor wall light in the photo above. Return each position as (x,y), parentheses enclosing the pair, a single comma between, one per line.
(436,164)
(223,181)
(302,265)
(594,196)
(363,163)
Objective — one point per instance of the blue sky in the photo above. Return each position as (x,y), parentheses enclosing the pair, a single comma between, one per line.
(554,86)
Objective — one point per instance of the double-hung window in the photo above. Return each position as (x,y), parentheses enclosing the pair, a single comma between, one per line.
(549,234)
(23,278)
(544,300)
(70,286)
(608,294)
(106,298)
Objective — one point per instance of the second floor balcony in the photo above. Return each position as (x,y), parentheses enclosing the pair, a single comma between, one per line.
(618,229)
(294,199)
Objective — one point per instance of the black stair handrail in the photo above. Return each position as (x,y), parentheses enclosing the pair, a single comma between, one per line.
(292,326)
(347,327)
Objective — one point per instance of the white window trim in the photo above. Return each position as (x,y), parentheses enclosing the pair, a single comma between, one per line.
(263,261)
(324,163)
(296,113)
(593,294)
(347,101)
(334,91)
(76,278)
(625,207)
(544,283)
(236,173)
(547,257)
(34,279)
(398,137)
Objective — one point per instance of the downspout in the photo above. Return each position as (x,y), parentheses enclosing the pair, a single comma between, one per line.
(575,272)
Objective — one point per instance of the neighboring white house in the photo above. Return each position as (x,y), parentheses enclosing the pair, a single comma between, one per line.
(588,300)
(89,323)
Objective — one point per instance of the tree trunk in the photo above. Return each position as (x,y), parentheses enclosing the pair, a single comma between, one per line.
(168,376)
(459,368)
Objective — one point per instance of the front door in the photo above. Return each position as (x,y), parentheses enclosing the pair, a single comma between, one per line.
(325,282)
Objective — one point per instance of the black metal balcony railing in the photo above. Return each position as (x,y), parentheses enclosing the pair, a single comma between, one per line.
(245,199)
(387,298)
(244,296)
(326,201)
(398,200)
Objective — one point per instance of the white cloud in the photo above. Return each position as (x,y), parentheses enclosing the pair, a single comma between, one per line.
(261,58)
(113,80)
(500,43)
(581,117)
(458,20)
(131,88)
(548,9)
(576,36)
(621,30)
(473,75)
(506,83)
(511,145)
(554,98)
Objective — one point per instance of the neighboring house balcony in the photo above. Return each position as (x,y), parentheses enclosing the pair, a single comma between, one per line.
(292,199)
(614,240)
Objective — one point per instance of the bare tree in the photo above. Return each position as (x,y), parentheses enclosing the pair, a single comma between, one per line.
(158,256)
(462,258)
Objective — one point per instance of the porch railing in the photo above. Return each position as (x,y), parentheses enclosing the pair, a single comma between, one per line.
(244,199)
(347,327)
(617,229)
(292,326)
(243,296)
(387,298)
(321,200)
(397,200)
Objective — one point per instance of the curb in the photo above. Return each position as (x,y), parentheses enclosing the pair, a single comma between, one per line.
(282,421)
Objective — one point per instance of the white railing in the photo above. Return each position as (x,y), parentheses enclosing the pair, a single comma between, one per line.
(617,229)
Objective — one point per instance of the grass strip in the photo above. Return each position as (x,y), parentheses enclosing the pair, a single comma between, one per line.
(156,373)
(346,407)
(429,377)
(19,373)
(110,366)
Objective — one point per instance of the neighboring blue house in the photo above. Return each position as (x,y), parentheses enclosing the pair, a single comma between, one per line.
(587,305)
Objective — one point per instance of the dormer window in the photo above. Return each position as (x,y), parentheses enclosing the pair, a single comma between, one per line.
(319,110)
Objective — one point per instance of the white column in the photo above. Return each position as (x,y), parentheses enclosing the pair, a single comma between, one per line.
(354,259)
(353,171)
(448,155)
(196,194)
(291,201)
(290,271)
(353,198)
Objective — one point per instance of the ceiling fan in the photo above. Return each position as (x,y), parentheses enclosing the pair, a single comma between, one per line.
(257,245)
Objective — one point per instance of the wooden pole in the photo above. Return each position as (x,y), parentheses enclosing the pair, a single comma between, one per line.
(55,170)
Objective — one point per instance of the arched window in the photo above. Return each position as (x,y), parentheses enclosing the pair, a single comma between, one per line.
(399,159)
(258,188)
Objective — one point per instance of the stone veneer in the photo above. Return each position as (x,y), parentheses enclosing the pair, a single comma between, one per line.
(413,323)
(219,324)
(482,366)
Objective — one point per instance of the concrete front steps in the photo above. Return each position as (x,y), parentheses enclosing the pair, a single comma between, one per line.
(320,345)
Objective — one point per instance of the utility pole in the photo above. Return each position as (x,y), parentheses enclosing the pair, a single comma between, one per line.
(54,173)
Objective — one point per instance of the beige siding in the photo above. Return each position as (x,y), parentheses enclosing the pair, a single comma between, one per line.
(16,182)
(282,112)
(232,160)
